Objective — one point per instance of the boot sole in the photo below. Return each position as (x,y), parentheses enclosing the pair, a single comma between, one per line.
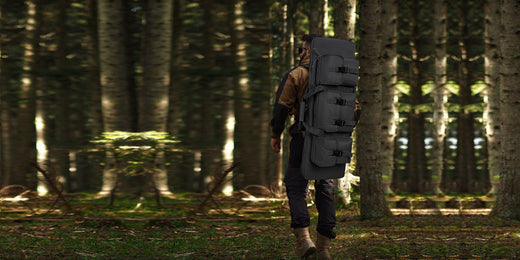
(309,252)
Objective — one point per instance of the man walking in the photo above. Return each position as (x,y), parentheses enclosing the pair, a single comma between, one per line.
(288,99)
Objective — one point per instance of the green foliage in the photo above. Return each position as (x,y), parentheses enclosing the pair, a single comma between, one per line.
(402,87)
(478,88)
(135,152)
(242,231)
(118,138)
(428,87)
(452,87)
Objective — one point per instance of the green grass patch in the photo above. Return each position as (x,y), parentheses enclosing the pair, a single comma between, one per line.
(238,230)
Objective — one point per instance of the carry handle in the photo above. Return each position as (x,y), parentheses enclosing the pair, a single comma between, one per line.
(303,105)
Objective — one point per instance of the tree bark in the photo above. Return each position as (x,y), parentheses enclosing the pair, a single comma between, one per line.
(492,95)
(243,141)
(344,16)
(63,95)
(154,99)
(94,85)
(175,115)
(389,115)
(6,157)
(154,103)
(440,111)
(344,24)
(508,199)
(113,73)
(372,204)
(466,164)
(416,160)
(316,17)
(113,77)
(208,128)
(25,146)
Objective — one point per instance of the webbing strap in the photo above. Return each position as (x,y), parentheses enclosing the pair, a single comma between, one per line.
(317,90)
(312,130)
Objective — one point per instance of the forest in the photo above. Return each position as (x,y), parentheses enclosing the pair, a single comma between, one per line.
(100,98)
(184,89)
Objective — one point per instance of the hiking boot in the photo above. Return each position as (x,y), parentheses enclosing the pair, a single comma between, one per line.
(304,245)
(322,247)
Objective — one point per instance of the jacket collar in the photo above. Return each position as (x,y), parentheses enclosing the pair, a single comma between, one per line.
(306,60)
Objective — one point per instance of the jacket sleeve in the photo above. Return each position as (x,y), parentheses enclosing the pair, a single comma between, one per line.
(285,100)
(280,113)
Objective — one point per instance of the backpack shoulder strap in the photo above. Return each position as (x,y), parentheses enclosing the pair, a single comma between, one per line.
(282,84)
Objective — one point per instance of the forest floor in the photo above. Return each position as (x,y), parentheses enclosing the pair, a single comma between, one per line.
(236,229)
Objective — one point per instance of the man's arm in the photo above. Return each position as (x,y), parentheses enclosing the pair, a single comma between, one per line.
(285,100)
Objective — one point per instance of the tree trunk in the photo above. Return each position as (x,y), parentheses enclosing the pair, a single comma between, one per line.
(344,24)
(94,86)
(63,96)
(344,17)
(210,152)
(6,157)
(244,146)
(153,105)
(466,165)
(289,62)
(113,76)
(372,204)
(261,108)
(508,199)
(389,115)
(416,159)
(175,115)
(492,96)
(154,99)
(316,17)
(26,150)
(440,111)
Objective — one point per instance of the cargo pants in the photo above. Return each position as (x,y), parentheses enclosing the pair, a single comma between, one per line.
(297,188)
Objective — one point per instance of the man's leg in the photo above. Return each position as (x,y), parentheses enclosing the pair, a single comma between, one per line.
(326,207)
(296,187)
(327,216)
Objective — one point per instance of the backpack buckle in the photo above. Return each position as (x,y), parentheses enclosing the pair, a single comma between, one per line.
(342,70)
(339,122)
(341,102)
(337,153)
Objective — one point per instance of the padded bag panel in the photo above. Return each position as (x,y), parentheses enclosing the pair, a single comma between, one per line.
(341,52)
(334,111)
(331,46)
(329,150)
(311,171)
(336,70)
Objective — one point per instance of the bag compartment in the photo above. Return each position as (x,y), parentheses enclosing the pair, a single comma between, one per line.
(336,70)
(335,111)
(331,150)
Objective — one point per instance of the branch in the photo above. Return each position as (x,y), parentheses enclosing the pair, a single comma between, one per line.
(406,58)
(217,185)
(477,33)
(454,58)
(476,58)
(425,58)
(51,183)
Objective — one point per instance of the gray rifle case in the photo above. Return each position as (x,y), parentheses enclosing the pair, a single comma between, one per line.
(327,112)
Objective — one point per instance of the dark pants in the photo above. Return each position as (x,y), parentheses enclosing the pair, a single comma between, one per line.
(297,188)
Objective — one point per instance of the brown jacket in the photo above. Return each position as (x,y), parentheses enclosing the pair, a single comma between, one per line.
(294,88)
(289,96)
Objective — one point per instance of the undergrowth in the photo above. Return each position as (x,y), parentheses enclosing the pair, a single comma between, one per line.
(237,229)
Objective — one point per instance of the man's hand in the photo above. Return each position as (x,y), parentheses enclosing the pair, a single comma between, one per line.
(275,144)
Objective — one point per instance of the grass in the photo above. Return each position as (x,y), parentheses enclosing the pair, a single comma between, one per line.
(256,231)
